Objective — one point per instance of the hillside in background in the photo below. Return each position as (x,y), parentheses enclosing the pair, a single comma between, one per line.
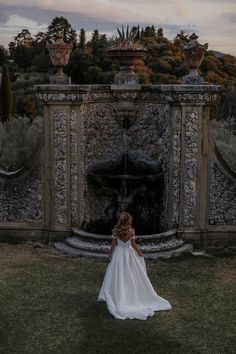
(89,63)
(29,64)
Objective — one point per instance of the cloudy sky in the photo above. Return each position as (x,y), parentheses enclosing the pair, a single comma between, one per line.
(213,20)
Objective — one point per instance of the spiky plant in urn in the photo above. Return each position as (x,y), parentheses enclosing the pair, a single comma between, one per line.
(59,52)
(193,53)
(128,52)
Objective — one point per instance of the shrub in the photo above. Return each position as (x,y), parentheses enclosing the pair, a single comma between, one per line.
(19,141)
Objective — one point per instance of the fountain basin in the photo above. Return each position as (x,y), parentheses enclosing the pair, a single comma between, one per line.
(162,245)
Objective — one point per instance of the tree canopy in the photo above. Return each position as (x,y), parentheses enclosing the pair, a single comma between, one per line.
(89,62)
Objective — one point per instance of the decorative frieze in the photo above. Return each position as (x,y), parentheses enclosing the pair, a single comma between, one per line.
(74,164)
(190,167)
(171,94)
(176,156)
(60,166)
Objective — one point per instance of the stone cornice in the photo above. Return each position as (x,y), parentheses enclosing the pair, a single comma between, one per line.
(172,94)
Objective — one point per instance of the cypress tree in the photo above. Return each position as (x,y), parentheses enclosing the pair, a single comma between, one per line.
(6,95)
(82,39)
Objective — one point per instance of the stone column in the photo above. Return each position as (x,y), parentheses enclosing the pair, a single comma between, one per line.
(59,170)
(195,112)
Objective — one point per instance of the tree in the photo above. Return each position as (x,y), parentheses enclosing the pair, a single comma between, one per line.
(3,55)
(11,49)
(61,24)
(21,50)
(149,31)
(78,66)
(160,32)
(26,107)
(98,45)
(82,40)
(181,38)
(23,56)
(93,75)
(40,37)
(6,96)
(24,38)
(39,43)
(42,62)
(95,35)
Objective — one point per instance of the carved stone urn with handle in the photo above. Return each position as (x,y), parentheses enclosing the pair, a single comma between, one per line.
(193,54)
(59,52)
(127,52)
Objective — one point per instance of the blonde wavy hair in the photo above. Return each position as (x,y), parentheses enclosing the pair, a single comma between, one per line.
(122,227)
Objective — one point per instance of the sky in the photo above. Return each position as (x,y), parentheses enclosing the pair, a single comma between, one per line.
(214,21)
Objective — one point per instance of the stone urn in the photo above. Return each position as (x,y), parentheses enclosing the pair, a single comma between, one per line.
(59,52)
(128,52)
(127,58)
(193,53)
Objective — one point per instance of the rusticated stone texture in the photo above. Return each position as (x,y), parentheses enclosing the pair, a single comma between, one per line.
(21,201)
(73,165)
(222,203)
(60,164)
(164,120)
(100,137)
(176,155)
(190,168)
(151,135)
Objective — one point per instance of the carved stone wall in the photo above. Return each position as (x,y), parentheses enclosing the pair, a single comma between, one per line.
(74,126)
(60,166)
(190,167)
(21,200)
(84,125)
(175,160)
(222,201)
(151,134)
(100,137)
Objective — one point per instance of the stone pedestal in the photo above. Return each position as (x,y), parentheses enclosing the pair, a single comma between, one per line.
(60,80)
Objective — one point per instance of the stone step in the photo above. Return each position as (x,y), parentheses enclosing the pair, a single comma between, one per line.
(91,246)
(74,252)
(89,235)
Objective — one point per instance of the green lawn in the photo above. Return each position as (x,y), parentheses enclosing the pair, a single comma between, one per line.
(49,305)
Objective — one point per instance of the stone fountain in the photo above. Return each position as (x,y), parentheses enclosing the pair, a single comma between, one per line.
(136,185)
(107,148)
(130,176)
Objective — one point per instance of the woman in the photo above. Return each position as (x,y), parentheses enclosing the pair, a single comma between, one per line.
(126,287)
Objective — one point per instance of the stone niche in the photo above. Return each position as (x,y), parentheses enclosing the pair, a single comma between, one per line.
(142,148)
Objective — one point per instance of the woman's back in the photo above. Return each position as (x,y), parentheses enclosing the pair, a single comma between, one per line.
(126,287)
(130,234)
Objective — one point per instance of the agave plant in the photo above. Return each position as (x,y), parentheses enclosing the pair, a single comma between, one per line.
(126,38)
(128,53)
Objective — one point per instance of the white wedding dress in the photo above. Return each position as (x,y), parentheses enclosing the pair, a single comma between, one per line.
(126,288)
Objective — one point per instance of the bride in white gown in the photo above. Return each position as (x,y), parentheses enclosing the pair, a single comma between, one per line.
(126,288)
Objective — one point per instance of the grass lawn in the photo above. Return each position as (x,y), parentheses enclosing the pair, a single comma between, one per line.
(49,305)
